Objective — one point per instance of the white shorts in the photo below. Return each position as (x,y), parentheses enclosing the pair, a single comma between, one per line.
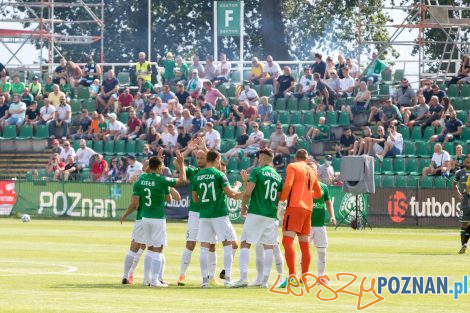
(154,231)
(219,228)
(377,148)
(138,232)
(259,230)
(193,226)
(318,236)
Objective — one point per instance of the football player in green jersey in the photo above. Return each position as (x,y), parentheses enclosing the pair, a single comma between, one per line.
(210,188)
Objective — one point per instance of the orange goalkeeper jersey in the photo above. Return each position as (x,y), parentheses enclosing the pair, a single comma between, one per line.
(301,186)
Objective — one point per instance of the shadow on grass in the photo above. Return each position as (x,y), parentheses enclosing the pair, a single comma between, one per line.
(120,286)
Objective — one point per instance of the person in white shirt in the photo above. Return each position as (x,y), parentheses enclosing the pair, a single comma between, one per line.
(83,155)
(134,169)
(66,151)
(441,162)
(212,137)
(159,106)
(393,145)
(46,113)
(307,84)
(17,112)
(116,128)
(353,68)
(248,94)
(152,123)
(347,83)
(194,84)
(326,172)
(271,72)
(254,141)
(169,139)
(62,119)
(222,71)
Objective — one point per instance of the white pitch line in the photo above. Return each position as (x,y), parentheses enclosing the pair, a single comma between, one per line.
(67,268)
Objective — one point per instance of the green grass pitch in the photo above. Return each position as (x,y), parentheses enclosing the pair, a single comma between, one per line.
(38,259)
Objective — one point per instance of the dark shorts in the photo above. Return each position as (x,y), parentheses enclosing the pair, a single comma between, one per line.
(464,214)
(441,137)
(393,152)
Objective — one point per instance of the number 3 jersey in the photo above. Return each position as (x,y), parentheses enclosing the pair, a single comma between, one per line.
(209,183)
(268,184)
(151,189)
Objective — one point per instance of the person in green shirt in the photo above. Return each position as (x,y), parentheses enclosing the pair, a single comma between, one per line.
(5,88)
(210,188)
(48,87)
(17,86)
(182,73)
(375,70)
(262,190)
(36,88)
(150,192)
(26,97)
(169,65)
(64,87)
(321,131)
(318,231)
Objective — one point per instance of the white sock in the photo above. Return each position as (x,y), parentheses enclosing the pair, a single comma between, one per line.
(212,264)
(259,261)
(321,262)
(185,260)
(162,268)
(204,262)
(228,260)
(268,263)
(136,261)
(128,263)
(147,267)
(244,261)
(156,266)
(278,258)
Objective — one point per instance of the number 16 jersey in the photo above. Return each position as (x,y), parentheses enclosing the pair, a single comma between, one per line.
(268,184)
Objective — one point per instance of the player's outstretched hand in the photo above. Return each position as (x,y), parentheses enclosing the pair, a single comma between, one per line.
(281,209)
(122,218)
(160,153)
(244,175)
(179,158)
(244,211)
(201,144)
(333,221)
(237,185)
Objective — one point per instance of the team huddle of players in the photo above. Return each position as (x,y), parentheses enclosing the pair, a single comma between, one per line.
(300,202)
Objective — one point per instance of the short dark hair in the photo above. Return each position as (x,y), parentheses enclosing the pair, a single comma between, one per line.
(267,151)
(201,97)
(301,154)
(212,156)
(154,163)
(318,55)
(467,156)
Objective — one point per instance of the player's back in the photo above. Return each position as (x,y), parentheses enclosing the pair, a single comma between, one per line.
(268,184)
(152,189)
(209,184)
(300,186)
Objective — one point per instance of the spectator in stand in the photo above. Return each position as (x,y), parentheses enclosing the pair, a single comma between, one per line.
(271,71)
(451,131)
(222,71)
(466,79)
(113,170)
(254,140)
(393,146)
(194,84)
(166,94)
(374,71)
(109,88)
(187,121)
(65,88)
(278,162)
(345,146)
(54,167)
(434,113)
(433,91)
(211,137)
(62,119)
(224,114)
(290,145)
(181,94)
(197,66)
(146,152)
(447,109)
(166,120)
(241,141)
(284,86)
(181,71)
(319,66)
(462,73)
(94,88)
(256,72)
(159,105)
(90,72)
(212,94)
(277,138)
(265,112)
(330,67)
(236,115)
(145,87)
(440,164)
(123,165)
(143,68)
(362,99)
(32,114)
(388,115)
(152,124)
(66,151)
(183,138)
(48,87)
(360,147)
(326,172)
(134,169)
(83,155)
(178,119)
(125,101)
(3,70)
(248,94)
(93,128)
(17,87)
(319,132)
(189,105)
(415,115)
(60,71)
(16,113)
(326,94)
(70,171)
(139,103)
(376,143)
(198,122)
(353,68)
(5,88)
(4,107)
(457,162)
(334,82)
(169,64)
(36,88)
(340,66)
(99,169)
(209,69)
(250,112)
(83,131)
(116,128)
(55,95)
(134,126)
(346,84)
(405,96)
(56,147)
(74,73)
(306,85)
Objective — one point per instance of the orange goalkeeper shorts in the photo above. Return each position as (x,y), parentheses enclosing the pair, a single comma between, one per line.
(297,220)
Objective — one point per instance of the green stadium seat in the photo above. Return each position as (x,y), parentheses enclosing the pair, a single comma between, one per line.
(307,118)
(384,90)
(292,104)
(388,181)
(343,119)
(409,149)
(422,164)
(331,118)
(317,117)
(428,133)
(109,147)
(412,167)
(85,174)
(266,91)
(90,105)
(453,91)
(223,146)
(398,75)
(76,144)
(303,144)
(404,131)
(130,147)
(119,147)
(401,181)
(26,132)
(304,103)
(266,130)
(75,105)
(426,182)
(124,117)
(124,78)
(458,104)
(83,93)
(280,104)
(295,117)
(231,91)
(9,132)
(283,117)
(336,163)
(378,180)
(232,165)
(465,91)
(387,76)
(413,181)
(245,163)
(440,182)
(465,133)
(229,132)
(416,133)
(300,130)
(422,150)
(399,167)
(450,147)
(235,76)
(222,89)
(219,128)
(462,116)
(230,143)
(139,146)
(98,146)
(246,75)
(387,166)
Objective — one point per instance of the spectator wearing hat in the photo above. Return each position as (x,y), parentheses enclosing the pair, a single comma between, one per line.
(116,128)
(125,101)
(256,72)
(451,131)
(107,96)
(194,85)
(35,88)
(222,71)
(306,85)
(62,119)
(248,94)
(326,172)
(84,129)
(134,169)
(99,169)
